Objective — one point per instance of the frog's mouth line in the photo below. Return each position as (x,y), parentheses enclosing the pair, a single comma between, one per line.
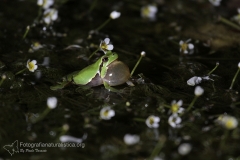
(100,67)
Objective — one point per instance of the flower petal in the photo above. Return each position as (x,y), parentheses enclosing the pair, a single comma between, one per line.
(179,103)
(54,15)
(34,61)
(190,46)
(107,40)
(28,64)
(110,47)
(115,15)
(181,42)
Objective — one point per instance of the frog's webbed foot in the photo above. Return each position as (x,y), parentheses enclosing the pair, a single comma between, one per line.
(59,86)
(110,88)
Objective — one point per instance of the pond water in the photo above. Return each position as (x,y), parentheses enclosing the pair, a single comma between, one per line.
(160,117)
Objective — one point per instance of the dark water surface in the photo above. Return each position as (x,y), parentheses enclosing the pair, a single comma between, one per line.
(164,74)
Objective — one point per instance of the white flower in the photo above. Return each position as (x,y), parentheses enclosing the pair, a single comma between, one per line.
(105,45)
(45,3)
(130,139)
(237,17)
(176,107)
(207,78)
(31,117)
(67,138)
(174,120)
(143,53)
(215,2)
(239,65)
(186,47)
(152,121)
(184,148)
(198,91)
(194,81)
(50,15)
(3,76)
(52,102)
(65,127)
(107,113)
(149,12)
(32,65)
(36,46)
(228,122)
(115,15)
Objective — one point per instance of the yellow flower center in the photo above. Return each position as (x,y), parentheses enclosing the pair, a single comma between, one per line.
(104,46)
(36,44)
(31,66)
(44,2)
(184,46)
(229,124)
(174,108)
(106,113)
(146,11)
(151,120)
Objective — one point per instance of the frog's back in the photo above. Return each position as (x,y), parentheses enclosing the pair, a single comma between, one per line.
(86,75)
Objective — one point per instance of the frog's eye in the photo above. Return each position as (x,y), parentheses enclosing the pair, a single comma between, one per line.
(105,59)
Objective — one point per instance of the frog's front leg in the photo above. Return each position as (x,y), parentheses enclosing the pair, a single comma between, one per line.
(106,85)
(59,86)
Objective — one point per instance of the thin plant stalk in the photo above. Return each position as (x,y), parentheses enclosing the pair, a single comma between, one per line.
(223,20)
(139,119)
(217,64)
(192,103)
(26,32)
(45,112)
(93,53)
(223,140)
(21,71)
(105,23)
(234,78)
(136,65)
(158,147)
(94,4)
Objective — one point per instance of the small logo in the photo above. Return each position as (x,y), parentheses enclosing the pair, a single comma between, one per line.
(12,148)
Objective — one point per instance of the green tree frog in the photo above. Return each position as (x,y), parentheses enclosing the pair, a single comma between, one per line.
(107,71)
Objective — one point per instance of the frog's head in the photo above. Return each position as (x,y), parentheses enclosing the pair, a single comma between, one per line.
(108,58)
